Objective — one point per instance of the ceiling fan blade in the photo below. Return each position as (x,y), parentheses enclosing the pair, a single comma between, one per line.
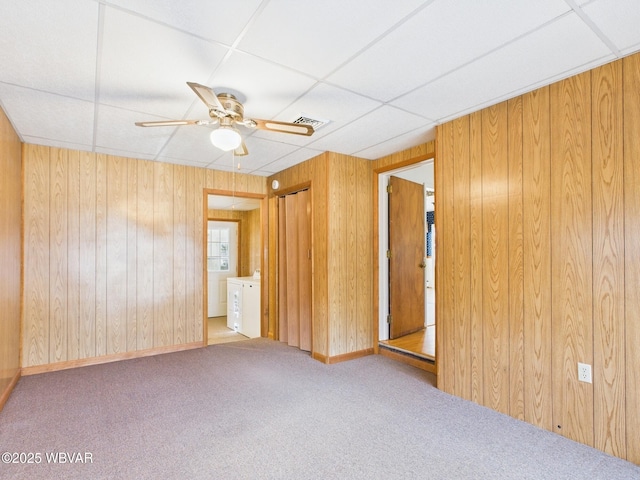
(283,127)
(169,123)
(207,95)
(241,151)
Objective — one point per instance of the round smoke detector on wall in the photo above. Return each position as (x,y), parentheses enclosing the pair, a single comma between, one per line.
(275,184)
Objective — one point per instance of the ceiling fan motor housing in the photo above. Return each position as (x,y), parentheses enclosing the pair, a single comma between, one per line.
(231,105)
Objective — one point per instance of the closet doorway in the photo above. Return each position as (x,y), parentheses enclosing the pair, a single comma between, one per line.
(294,269)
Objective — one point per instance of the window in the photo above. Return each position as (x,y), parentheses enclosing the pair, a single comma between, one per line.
(218,249)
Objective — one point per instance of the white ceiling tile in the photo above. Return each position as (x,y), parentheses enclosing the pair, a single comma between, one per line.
(550,53)
(48,116)
(263,87)
(116,129)
(191,142)
(397,144)
(378,126)
(218,20)
(316,37)
(39,52)
(324,102)
(440,38)
(290,160)
(619,20)
(124,153)
(145,67)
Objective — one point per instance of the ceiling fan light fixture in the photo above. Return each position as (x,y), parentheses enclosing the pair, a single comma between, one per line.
(226,138)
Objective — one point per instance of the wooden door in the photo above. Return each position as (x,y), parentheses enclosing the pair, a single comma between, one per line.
(294,269)
(407,257)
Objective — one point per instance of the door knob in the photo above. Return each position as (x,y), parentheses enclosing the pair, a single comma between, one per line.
(422,264)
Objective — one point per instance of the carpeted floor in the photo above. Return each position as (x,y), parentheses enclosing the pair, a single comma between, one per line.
(260,409)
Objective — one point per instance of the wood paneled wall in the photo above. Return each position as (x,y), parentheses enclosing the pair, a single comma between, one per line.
(10,254)
(113,255)
(538,220)
(342,268)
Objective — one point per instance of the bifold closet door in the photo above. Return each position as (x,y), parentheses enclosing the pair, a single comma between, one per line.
(294,269)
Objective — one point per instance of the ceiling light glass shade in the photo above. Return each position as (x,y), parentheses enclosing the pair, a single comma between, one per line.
(226,138)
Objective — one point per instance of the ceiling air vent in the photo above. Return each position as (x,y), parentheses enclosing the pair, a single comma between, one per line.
(316,123)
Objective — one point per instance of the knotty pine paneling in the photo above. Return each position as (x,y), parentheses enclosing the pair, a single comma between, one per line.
(631,148)
(554,211)
(113,255)
(10,254)
(571,255)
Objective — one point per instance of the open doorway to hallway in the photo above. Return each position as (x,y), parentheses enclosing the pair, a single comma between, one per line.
(420,340)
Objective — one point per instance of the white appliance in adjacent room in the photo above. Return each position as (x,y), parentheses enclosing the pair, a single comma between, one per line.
(243,305)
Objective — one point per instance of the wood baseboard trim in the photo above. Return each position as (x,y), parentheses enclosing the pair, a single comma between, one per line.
(409,360)
(116,357)
(342,358)
(7,391)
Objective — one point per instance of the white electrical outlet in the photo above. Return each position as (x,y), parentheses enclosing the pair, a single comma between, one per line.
(584,372)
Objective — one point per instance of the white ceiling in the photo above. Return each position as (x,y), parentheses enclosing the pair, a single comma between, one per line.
(79,73)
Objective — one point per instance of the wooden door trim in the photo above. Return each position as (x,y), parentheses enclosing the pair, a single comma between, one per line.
(376,233)
(264,274)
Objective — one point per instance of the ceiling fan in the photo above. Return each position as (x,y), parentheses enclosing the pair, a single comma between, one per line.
(226,110)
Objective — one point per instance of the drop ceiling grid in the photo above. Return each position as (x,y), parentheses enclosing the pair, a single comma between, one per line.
(384,73)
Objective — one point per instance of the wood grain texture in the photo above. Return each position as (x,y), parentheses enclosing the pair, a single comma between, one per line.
(572,253)
(462,257)
(115,257)
(475,257)
(608,259)
(571,267)
(516,260)
(35,330)
(101,255)
(495,277)
(10,256)
(281,305)
(58,268)
(132,254)
(445,261)
(73,255)
(145,247)
(364,257)
(631,85)
(536,144)
(162,255)
(179,255)
(293,270)
(116,251)
(88,285)
(303,213)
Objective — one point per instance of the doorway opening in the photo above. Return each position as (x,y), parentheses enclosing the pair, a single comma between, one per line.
(233,249)
(417,273)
